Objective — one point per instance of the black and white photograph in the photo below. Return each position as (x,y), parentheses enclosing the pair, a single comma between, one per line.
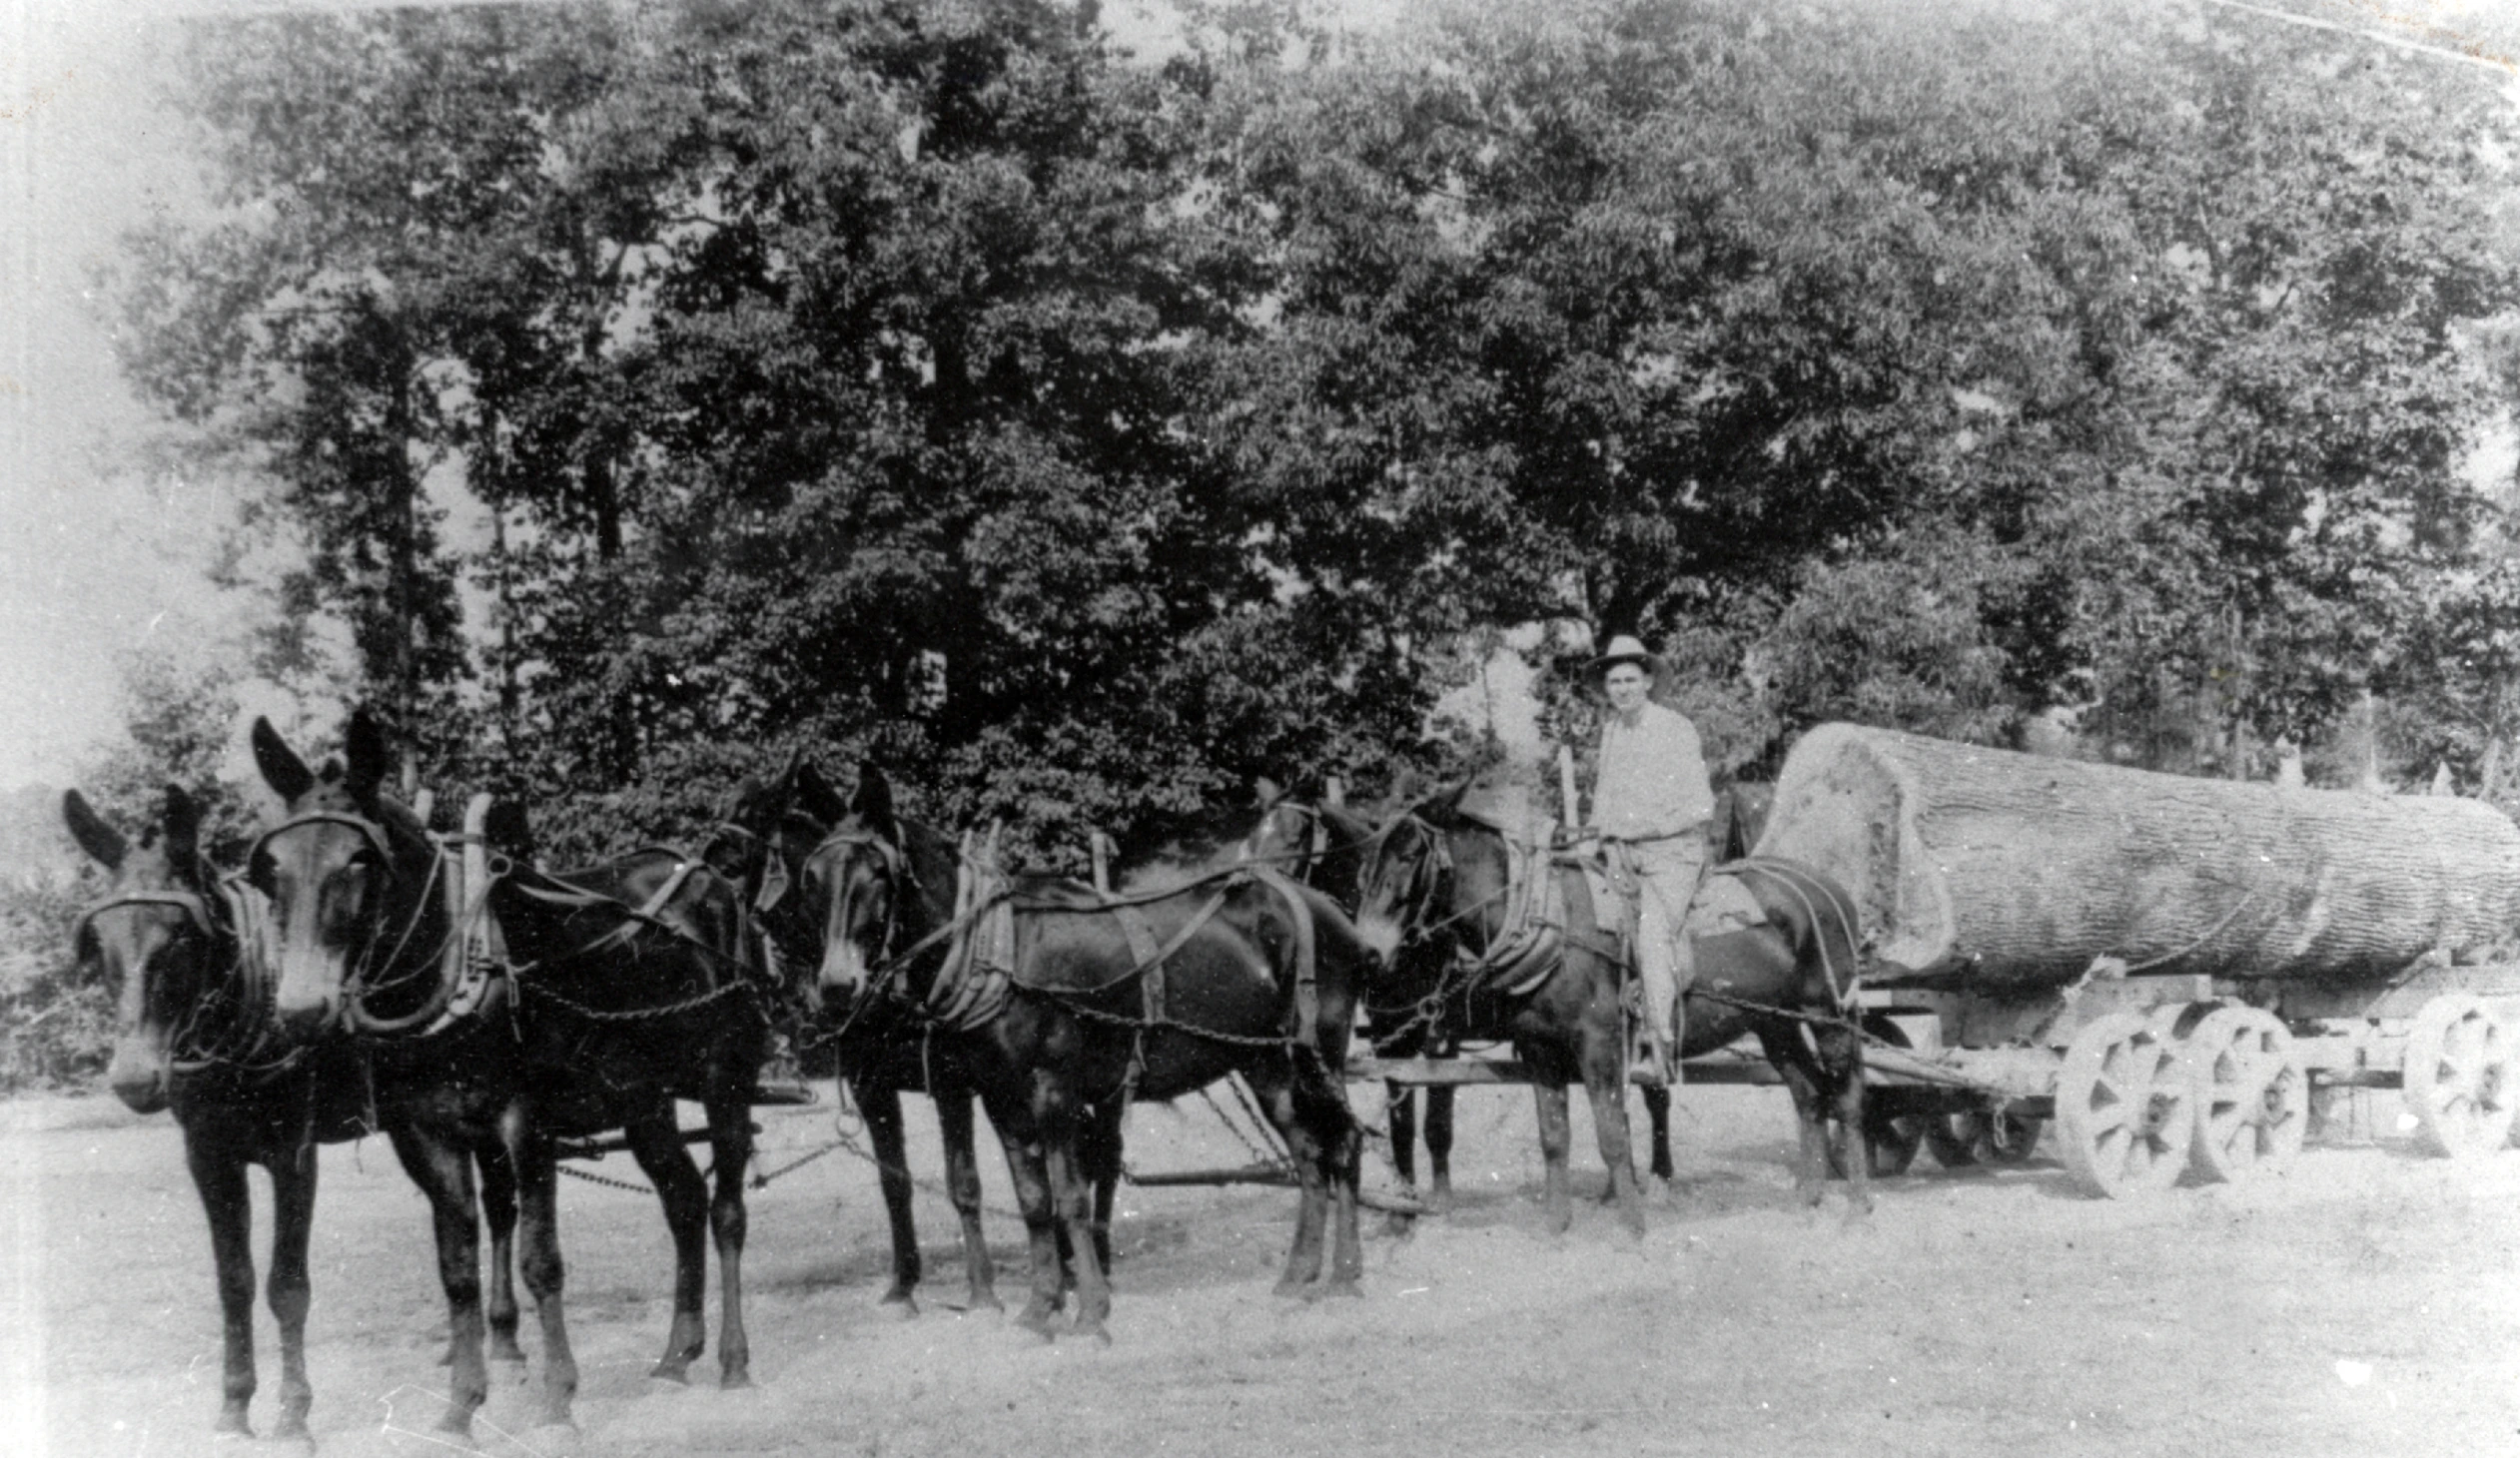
(1264,728)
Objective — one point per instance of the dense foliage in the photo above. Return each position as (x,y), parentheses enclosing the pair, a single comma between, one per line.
(1079,435)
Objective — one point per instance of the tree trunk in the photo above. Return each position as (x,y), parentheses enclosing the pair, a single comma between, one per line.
(2011,871)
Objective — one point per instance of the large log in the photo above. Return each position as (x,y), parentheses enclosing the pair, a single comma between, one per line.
(2009,873)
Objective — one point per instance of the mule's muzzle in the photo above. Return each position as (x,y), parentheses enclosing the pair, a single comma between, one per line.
(842,974)
(307,1019)
(1381,937)
(140,1075)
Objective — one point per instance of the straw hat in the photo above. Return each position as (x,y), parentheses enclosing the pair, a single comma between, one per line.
(1627,648)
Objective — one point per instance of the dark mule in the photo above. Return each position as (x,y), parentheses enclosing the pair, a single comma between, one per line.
(1324,846)
(1065,1004)
(193,1033)
(365,942)
(1438,897)
(1435,903)
(1790,980)
(879,1053)
(639,986)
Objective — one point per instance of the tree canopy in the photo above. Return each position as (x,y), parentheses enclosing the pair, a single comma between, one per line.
(1080,433)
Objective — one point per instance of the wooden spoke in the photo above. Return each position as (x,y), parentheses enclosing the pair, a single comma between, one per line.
(2253,1095)
(2124,1108)
(2459,1075)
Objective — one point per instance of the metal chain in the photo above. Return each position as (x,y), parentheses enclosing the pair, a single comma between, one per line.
(846,1142)
(1116,1019)
(593,1179)
(633,1015)
(762,1177)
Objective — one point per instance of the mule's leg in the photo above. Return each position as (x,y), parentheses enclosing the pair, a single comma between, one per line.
(1439,1146)
(1058,1117)
(1400,1103)
(655,1140)
(1605,1083)
(880,1104)
(1549,1095)
(1811,1115)
(1841,1059)
(442,1170)
(539,1246)
(290,1294)
(962,1183)
(218,1168)
(1658,1129)
(1338,1145)
(1275,1089)
(730,1149)
(1099,1155)
(1027,1167)
(1344,1162)
(498,1210)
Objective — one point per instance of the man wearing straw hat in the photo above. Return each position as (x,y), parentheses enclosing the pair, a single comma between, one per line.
(1650,805)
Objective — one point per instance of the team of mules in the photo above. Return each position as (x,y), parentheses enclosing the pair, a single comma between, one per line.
(363,973)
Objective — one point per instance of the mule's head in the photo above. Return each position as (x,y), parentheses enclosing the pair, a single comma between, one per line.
(333,872)
(151,937)
(1401,877)
(860,882)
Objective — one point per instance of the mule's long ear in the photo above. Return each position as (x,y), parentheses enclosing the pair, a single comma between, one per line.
(1265,792)
(287,774)
(369,759)
(183,832)
(874,800)
(102,843)
(817,797)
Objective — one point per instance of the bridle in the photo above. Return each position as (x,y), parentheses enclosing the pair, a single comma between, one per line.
(1429,876)
(198,1041)
(357,985)
(903,882)
(194,909)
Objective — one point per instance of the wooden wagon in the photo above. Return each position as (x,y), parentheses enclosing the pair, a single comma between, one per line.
(2170,970)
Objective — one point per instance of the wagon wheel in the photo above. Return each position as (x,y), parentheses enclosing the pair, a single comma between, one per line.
(2459,1075)
(2253,1095)
(1974,1137)
(2125,1107)
(1892,1133)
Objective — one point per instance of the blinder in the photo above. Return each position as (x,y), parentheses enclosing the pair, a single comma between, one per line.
(368,829)
(83,932)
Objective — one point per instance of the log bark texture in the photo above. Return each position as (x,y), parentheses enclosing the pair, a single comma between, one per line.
(2011,872)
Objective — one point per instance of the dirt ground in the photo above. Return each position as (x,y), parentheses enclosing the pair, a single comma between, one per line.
(2366,1303)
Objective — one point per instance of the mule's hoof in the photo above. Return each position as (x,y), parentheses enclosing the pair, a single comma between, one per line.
(554,1441)
(735,1380)
(508,1351)
(457,1424)
(672,1370)
(1339,1288)
(1094,1330)
(1037,1322)
(300,1444)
